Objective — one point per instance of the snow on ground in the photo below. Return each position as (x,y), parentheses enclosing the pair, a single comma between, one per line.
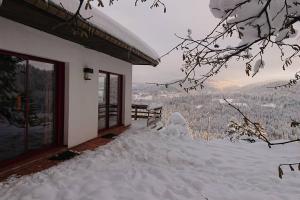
(199,106)
(240,104)
(222,101)
(150,165)
(269,105)
(156,105)
(142,97)
(171,95)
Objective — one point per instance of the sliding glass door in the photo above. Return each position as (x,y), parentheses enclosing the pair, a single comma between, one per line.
(102,102)
(41,95)
(12,108)
(27,105)
(110,100)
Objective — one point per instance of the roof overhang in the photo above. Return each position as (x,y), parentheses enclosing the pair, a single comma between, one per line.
(45,16)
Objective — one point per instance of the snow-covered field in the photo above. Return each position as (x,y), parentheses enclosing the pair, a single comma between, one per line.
(148,165)
(269,105)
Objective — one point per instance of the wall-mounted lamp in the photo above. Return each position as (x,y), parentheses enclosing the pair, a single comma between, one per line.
(88,73)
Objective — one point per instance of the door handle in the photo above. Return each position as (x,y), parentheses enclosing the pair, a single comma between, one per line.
(19,103)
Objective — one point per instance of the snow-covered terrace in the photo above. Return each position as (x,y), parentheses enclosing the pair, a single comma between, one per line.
(166,164)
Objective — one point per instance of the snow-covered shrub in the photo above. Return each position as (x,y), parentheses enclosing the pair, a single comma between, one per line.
(176,126)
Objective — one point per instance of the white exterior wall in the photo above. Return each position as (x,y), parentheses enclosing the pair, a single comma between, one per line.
(81,96)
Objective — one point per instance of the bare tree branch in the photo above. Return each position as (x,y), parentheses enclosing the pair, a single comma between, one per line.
(210,52)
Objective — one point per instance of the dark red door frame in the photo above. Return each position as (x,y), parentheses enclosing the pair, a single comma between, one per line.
(59,101)
(120,99)
(26,113)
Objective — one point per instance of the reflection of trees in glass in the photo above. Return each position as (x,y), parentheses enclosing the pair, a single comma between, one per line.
(11,93)
(102,88)
(114,89)
(41,92)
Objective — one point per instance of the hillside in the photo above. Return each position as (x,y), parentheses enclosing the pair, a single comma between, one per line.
(208,115)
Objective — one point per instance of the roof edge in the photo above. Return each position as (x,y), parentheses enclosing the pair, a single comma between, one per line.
(86,25)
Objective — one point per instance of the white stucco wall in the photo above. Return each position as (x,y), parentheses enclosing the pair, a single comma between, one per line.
(81,96)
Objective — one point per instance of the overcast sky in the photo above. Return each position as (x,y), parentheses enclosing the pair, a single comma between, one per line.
(158,28)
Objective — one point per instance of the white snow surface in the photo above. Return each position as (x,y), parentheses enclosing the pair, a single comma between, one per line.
(152,106)
(150,165)
(199,106)
(269,105)
(176,126)
(108,25)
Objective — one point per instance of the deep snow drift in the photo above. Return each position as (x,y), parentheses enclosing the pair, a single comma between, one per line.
(148,165)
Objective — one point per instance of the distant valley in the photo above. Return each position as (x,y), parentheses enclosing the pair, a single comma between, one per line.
(208,114)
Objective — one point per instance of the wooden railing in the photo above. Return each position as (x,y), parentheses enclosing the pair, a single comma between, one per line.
(153,115)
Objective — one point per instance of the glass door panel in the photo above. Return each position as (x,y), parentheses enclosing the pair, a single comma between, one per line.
(109,98)
(114,100)
(27,105)
(41,95)
(12,106)
(102,103)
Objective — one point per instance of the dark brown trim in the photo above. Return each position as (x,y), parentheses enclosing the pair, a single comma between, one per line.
(107,101)
(27,156)
(59,106)
(28,57)
(121,97)
(27,107)
(116,130)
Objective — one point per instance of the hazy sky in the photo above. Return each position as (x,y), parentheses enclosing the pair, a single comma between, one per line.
(158,28)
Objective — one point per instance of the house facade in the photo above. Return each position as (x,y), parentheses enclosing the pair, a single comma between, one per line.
(58,87)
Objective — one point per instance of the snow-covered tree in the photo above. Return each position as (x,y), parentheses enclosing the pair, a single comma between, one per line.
(251,27)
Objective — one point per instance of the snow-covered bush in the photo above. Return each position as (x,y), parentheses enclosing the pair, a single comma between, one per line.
(176,126)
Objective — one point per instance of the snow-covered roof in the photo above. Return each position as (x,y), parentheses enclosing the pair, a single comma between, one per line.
(110,26)
(100,33)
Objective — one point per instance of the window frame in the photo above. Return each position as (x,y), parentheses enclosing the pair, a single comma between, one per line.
(59,101)
(107,100)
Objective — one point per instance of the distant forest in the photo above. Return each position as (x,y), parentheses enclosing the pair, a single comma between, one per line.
(208,115)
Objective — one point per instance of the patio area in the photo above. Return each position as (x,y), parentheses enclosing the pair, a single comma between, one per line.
(41,161)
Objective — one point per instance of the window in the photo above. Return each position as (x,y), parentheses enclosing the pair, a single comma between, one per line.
(110,100)
(28,104)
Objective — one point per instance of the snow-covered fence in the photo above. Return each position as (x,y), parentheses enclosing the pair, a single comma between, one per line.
(153,114)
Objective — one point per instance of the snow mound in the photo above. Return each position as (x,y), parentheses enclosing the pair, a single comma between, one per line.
(110,26)
(176,126)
